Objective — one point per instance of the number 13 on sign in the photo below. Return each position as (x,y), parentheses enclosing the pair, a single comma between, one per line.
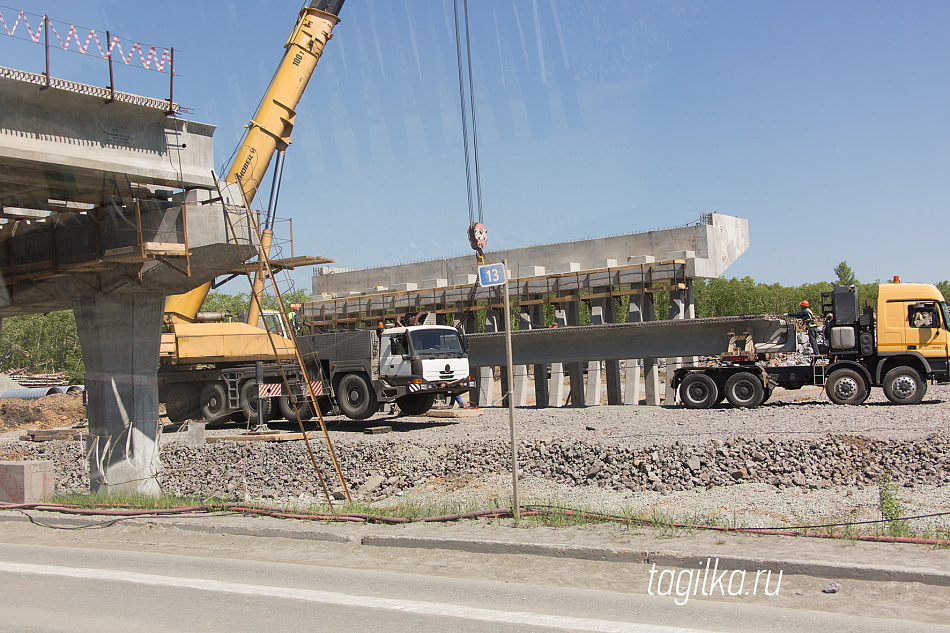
(491,275)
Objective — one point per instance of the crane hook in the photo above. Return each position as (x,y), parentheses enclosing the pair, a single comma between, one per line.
(478,238)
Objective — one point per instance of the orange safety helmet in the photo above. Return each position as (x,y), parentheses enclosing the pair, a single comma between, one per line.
(804,303)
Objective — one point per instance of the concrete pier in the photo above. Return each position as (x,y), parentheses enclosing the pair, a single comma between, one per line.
(120,338)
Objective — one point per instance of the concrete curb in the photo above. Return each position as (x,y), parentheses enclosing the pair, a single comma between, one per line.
(822,569)
(816,568)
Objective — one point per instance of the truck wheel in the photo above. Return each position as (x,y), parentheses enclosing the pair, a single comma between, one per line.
(250,402)
(356,397)
(698,391)
(846,386)
(181,403)
(214,402)
(766,394)
(415,403)
(744,390)
(302,409)
(903,385)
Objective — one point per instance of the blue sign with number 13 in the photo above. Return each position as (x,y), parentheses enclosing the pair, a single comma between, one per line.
(491,275)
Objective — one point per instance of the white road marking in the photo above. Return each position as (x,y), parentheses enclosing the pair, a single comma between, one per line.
(416,607)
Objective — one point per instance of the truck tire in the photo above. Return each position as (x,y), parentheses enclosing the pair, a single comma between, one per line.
(415,403)
(744,390)
(846,386)
(214,402)
(767,393)
(181,403)
(250,402)
(698,391)
(903,385)
(356,397)
(287,410)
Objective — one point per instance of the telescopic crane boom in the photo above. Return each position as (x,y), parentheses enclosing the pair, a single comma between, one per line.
(269,132)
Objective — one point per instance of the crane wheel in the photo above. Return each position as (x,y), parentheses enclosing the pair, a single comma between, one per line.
(214,402)
(290,413)
(250,402)
(181,403)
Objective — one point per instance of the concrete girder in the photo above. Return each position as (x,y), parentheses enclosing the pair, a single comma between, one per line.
(66,146)
(716,242)
(652,339)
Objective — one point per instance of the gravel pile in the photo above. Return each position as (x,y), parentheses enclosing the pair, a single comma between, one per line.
(797,442)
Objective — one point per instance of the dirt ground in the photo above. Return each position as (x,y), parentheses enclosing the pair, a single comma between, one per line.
(55,411)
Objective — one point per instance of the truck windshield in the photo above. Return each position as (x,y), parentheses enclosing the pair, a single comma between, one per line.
(431,342)
(944,315)
(272,323)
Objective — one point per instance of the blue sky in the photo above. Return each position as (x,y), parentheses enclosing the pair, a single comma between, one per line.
(826,124)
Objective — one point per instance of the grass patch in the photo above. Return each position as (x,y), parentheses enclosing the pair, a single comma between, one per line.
(131,500)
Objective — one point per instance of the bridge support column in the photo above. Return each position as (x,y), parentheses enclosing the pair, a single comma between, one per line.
(466,321)
(642,309)
(120,337)
(521,371)
(486,375)
(594,383)
(681,307)
(556,391)
(612,367)
(541,395)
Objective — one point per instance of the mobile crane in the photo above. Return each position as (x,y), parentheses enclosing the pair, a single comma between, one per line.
(209,369)
(227,351)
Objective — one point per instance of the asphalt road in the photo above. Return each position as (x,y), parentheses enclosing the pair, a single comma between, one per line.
(136,581)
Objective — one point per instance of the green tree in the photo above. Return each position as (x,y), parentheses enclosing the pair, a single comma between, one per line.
(44,343)
(845,276)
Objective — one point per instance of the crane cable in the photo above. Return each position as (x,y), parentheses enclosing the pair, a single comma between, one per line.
(477,233)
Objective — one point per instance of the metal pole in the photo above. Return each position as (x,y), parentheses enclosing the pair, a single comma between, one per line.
(260,401)
(46,42)
(515,510)
(171,85)
(111,72)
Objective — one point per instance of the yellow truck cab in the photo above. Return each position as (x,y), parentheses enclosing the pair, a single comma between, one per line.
(912,318)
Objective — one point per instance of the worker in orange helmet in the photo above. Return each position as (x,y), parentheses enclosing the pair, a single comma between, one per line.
(811,323)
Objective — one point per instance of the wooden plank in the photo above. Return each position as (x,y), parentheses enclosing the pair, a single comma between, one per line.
(260,437)
(376,430)
(46,435)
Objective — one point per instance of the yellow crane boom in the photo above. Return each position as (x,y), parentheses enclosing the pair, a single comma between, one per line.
(269,130)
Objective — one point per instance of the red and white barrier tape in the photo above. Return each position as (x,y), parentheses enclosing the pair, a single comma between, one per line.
(153,56)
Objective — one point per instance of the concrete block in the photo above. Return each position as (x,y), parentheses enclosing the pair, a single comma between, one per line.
(370,291)
(640,259)
(434,283)
(26,482)
(530,271)
(196,434)
(408,287)
(568,267)
(602,263)
(681,255)
(464,280)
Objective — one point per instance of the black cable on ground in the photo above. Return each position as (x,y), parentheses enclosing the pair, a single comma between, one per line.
(527,510)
